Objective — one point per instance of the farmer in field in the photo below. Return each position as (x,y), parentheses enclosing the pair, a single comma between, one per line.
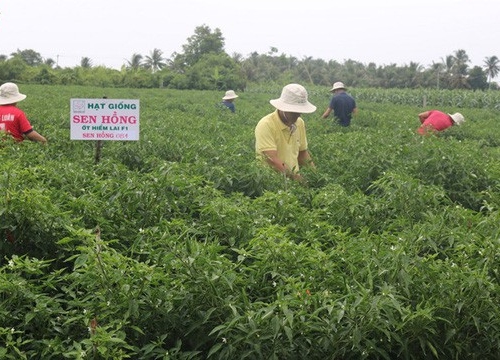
(280,137)
(228,100)
(12,119)
(434,121)
(342,104)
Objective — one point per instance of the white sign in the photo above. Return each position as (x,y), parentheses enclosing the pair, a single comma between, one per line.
(104,119)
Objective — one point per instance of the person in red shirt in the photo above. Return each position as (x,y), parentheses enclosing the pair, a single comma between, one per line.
(12,119)
(434,121)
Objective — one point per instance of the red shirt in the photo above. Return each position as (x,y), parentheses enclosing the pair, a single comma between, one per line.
(436,121)
(14,121)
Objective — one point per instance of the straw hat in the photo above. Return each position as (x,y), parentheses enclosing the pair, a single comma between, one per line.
(337,85)
(457,118)
(230,94)
(9,94)
(293,99)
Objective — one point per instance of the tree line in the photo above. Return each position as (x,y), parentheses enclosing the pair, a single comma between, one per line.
(204,64)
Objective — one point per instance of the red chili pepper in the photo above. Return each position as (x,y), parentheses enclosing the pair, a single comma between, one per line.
(10,236)
(93,326)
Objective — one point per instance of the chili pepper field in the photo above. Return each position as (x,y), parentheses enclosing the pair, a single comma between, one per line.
(181,246)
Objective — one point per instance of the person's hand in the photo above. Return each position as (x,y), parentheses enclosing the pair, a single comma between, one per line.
(299,178)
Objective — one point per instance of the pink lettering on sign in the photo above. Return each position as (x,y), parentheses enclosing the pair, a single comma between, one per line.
(119,119)
(84,119)
(105,135)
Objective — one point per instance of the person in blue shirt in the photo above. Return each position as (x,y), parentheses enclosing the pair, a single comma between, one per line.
(342,104)
(228,99)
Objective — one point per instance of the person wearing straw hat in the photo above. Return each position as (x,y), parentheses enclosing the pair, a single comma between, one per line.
(280,137)
(342,104)
(433,121)
(228,100)
(12,119)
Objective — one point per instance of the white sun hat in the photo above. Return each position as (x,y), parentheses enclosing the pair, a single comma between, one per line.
(9,94)
(337,85)
(230,94)
(293,99)
(457,118)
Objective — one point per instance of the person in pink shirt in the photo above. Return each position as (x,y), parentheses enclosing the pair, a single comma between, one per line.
(434,121)
(13,120)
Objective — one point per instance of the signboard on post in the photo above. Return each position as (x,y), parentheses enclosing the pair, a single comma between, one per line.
(104,119)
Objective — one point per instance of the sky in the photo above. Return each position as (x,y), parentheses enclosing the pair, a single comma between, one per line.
(384,32)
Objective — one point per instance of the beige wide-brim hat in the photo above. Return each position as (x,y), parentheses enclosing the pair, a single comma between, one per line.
(9,94)
(293,99)
(230,94)
(337,85)
(457,118)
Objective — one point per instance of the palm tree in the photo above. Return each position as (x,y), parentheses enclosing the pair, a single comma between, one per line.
(448,63)
(135,62)
(492,67)
(237,57)
(438,69)
(86,62)
(49,62)
(413,72)
(307,68)
(154,60)
(459,68)
(447,72)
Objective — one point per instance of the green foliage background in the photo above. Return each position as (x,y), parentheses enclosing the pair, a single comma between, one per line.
(181,246)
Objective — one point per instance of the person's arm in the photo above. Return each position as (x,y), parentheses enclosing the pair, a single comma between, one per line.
(35,136)
(423,116)
(275,162)
(327,112)
(305,159)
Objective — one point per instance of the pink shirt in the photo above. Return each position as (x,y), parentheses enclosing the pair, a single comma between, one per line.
(436,121)
(14,121)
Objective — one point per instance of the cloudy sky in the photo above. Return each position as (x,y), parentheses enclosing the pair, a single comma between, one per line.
(385,32)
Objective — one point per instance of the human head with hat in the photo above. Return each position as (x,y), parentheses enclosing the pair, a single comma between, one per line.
(434,121)
(280,137)
(228,100)
(342,105)
(458,119)
(230,95)
(13,120)
(9,94)
(338,86)
(292,103)
(293,99)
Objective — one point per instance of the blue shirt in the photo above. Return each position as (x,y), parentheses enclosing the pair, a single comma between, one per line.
(230,105)
(343,105)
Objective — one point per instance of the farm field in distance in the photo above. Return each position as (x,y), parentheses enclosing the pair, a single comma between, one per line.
(182,246)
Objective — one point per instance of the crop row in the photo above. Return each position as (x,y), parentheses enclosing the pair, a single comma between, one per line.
(181,246)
